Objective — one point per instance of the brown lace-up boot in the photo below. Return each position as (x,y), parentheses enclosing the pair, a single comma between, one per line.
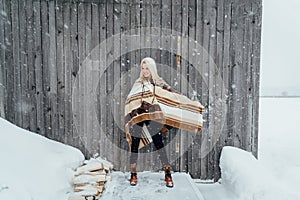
(168,177)
(133,178)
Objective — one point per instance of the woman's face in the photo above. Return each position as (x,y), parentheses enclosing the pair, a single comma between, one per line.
(146,72)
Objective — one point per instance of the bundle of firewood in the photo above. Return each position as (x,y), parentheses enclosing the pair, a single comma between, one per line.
(90,178)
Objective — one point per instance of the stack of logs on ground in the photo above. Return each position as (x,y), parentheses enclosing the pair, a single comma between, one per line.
(90,178)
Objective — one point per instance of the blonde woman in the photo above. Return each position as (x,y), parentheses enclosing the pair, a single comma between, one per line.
(143,109)
(151,109)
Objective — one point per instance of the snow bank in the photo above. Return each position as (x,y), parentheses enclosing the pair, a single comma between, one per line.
(248,179)
(34,167)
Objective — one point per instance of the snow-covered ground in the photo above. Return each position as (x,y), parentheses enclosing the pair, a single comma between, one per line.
(276,173)
(151,186)
(33,167)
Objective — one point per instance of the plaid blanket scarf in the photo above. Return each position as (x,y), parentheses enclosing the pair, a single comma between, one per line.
(148,102)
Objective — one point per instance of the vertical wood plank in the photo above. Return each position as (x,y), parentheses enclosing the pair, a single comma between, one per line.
(212,85)
(146,8)
(176,23)
(110,78)
(125,81)
(88,118)
(88,79)
(67,73)
(81,54)
(155,54)
(199,77)
(2,60)
(205,96)
(16,63)
(145,23)
(76,98)
(236,70)
(23,66)
(135,20)
(192,81)
(60,70)
(31,68)
(183,81)
(156,23)
(8,58)
(38,67)
(166,24)
(246,83)
(95,53)
(116,88)
(219,85)
(226,73)
(256,48)
(45,41)
(52,72)
(102,84)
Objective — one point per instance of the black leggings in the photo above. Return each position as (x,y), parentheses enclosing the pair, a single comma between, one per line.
(154,129)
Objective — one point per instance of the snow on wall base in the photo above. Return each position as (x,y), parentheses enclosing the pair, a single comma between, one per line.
(242,173)
(35,167)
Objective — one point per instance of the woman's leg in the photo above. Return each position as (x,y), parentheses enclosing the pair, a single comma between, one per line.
(157,140)
(134,150)
(135,136)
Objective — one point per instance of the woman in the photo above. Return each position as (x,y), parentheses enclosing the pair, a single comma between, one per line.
(148,80)
(151,109)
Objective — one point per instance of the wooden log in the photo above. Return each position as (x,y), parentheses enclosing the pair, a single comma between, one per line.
(93,188)
(92,173)
(89,179)
(95,166)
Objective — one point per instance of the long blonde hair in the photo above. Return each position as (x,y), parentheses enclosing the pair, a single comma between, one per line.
(153,69)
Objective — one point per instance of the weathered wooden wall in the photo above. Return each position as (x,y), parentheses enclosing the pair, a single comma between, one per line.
(44,45)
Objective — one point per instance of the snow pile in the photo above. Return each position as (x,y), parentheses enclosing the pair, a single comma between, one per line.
(248,179)
(34,167)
